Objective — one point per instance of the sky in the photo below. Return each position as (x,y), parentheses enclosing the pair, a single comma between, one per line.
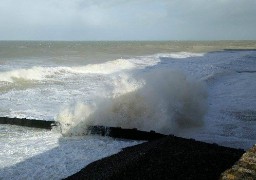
(127,20)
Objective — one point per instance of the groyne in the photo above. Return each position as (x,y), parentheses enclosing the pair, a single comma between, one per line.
(35,123)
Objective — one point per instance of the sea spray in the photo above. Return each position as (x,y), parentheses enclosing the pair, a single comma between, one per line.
(167,101)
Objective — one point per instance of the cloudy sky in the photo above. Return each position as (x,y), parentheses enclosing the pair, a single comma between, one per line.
(127,19)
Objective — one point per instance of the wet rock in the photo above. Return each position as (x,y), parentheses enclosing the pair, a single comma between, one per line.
(245,168)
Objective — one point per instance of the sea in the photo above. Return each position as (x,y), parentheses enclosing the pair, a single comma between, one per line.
(205,90)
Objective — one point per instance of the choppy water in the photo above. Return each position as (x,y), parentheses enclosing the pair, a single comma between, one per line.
(190,89)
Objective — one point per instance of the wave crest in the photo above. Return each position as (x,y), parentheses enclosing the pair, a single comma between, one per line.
(41,73)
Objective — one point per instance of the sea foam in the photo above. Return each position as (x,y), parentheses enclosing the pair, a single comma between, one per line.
(165,102)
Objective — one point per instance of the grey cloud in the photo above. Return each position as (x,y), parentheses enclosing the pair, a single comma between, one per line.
(127,20)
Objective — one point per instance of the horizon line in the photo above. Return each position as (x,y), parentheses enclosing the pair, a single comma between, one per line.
(35,40)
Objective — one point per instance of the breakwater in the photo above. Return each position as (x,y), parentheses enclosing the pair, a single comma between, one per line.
(35,123)
(118,132)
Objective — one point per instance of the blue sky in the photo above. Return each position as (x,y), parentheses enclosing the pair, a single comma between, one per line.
(128,20)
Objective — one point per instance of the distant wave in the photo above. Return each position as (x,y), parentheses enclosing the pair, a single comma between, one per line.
(181,55)
(41,73)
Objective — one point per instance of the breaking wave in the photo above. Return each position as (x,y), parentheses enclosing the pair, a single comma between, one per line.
(42,73)
(34,73)
(166,102)
(38,73)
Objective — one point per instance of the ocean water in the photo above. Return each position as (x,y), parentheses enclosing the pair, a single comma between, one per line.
(201,90)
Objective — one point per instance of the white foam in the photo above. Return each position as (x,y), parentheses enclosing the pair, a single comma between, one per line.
(28,153)
(105,68)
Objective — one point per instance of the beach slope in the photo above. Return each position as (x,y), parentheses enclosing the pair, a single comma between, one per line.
(166,158)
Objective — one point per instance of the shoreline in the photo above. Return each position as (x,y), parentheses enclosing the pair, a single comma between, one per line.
(162,156)
(169,157)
